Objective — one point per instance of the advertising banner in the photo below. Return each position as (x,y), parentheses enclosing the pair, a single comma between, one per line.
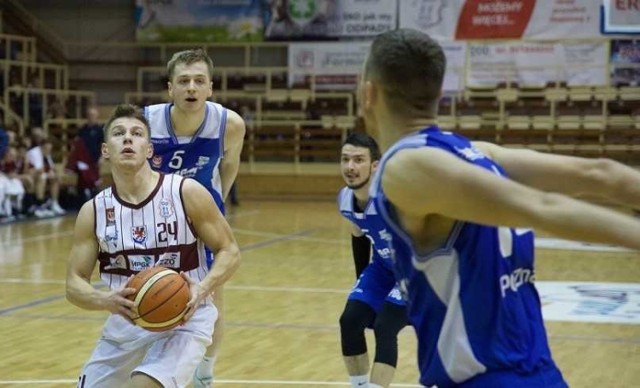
(502,19)
(621,16)
(199,20)
(329,19)
(336,65)
(537,63)
(625,62)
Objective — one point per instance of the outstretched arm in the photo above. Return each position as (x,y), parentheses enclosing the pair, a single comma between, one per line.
(80,265)
(233,141)
(425,181)
(574,176)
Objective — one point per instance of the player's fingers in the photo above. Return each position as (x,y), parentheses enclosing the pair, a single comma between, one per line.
(128,314)
(128,303)
(188,314)
(127,291)
(187,278)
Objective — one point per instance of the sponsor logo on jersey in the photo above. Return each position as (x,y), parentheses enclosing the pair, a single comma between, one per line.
(470,153)
(111,235)
(138,263)
(110,215)
(118,262)
(165,208)
(188,172)
(514,280)
(160,141)
(156,161)
(395,293)
(170,260)
(384,235)
(202,161)
(139,234)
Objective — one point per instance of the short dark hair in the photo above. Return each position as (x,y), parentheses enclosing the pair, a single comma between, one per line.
(126,110)
(359,139)
(189,57)
(410,67)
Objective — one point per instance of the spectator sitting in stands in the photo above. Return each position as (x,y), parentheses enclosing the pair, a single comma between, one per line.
(42,170)
(84,158)
(11,187)
(57,109)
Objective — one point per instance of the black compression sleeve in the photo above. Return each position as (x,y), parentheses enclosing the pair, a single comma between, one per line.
(361,247)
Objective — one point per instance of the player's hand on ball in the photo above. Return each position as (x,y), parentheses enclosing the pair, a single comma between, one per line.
(116,302)
(198,294)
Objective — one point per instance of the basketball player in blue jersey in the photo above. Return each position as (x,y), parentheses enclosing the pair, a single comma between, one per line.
(460,217)
(196,138)
(375,300)
(146,219)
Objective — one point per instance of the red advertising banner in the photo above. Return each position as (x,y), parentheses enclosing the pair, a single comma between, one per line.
(503,19)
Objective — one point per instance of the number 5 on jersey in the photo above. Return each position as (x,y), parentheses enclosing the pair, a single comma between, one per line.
(176,160)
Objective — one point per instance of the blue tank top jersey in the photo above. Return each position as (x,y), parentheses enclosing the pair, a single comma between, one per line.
(472,301)
(198,156)
(369,223)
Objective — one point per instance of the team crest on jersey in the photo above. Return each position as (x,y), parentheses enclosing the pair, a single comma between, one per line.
(118,262)
(202,161)
(169,260)
(138,263)
(139,234)
(156,161)
(110,215)
(166,208)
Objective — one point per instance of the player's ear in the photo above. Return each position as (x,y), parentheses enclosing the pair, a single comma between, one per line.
(150,150)
(210,93)
(170,89)
(370,94)
(105,151)
(374,165)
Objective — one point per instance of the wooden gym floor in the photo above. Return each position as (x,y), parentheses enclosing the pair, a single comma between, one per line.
(283,306)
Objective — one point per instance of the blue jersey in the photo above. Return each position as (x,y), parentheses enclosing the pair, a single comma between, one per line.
(472,301)
(369,222)
(198,156)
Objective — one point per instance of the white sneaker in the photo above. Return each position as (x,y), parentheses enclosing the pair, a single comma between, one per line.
(57,209)
(43,213)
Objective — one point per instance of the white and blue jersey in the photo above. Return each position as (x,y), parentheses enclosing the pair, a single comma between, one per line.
(472,301)
(376,285)
(198,156)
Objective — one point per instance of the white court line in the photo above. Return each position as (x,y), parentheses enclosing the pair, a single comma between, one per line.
(223,381)
(250,232)
(20,241)
(556,243)
(232,216)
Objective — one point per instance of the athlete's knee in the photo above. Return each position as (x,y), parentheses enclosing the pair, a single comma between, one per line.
(353,321)
(356,317)
(386,327)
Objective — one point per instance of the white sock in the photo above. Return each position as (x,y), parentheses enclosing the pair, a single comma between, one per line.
(359,381)
(374,385)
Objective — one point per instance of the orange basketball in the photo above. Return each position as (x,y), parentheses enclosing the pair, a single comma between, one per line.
(161,298)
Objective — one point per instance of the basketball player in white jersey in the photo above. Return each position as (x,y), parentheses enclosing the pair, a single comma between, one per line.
(460,217)
(198,139)
(146,219)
